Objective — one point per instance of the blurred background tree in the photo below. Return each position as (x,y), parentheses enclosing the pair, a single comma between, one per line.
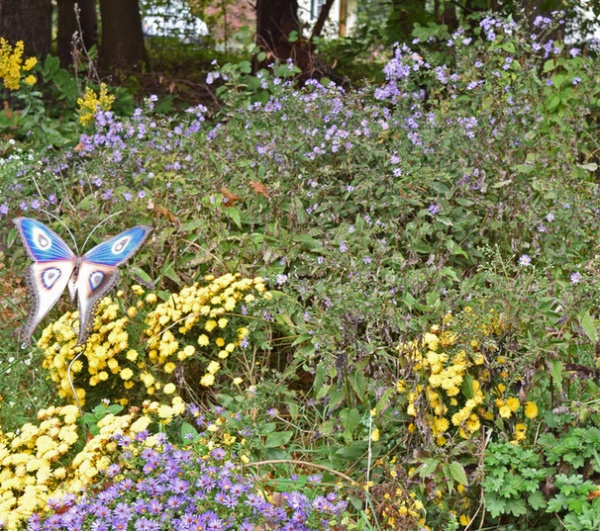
(282,28)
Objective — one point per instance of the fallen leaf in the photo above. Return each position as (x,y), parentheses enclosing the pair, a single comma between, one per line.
(259,188)
(230,199)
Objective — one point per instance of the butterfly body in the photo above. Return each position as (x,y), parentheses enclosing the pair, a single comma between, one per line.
(87,278)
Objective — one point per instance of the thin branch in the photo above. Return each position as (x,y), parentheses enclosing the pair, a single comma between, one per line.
(303,463)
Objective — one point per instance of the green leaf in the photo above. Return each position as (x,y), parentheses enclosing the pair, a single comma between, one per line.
(278,438)
(140,273)
(557,373)
(458,473)
(428,468)
(355,450)
(309,243)
(192,226)
(350,419)
(114,409)
(549,65)
(188,432)
(234,215)
(587,323)
(590,166)
(553,102)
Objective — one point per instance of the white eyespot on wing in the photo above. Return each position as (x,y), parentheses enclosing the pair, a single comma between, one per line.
(50,276)
(120,244)
(40,239)
(96,279)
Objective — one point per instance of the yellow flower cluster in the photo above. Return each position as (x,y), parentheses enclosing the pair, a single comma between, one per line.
(202,316)
(103,351)
(402,511)
(35,461)
(508,408)
(452,395)
(91,102)
(446,385)
(12,66)
(198,319)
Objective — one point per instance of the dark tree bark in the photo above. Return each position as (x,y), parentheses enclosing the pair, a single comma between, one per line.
(68,26)
(29,21)
(275,20)
(323,15)
(122,42)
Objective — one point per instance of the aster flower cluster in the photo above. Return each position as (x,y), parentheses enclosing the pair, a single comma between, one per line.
(152,487)
(51,458)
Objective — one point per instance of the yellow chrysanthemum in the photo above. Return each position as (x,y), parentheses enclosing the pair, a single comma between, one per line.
(531,410)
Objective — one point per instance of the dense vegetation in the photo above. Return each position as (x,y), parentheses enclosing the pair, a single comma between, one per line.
(358,309)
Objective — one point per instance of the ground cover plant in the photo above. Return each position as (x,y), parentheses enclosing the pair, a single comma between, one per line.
(358,309)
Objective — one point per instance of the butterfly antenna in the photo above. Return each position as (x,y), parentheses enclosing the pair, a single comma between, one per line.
(99,225)
(69,373)
(67,228)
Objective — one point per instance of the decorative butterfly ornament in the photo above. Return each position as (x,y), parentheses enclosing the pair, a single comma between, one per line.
(88,277)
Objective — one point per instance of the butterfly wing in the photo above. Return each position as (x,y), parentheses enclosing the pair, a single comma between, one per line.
(41,243)
(48,276)
(120,248)
(97,272)
(92,283)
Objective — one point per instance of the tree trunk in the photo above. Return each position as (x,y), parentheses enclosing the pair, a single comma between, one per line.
(86,29)
(275,20)
(29,21)
(122,42)
(323,15)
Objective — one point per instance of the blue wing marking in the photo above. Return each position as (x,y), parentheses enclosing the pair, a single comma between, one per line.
(42,244)
(119,248)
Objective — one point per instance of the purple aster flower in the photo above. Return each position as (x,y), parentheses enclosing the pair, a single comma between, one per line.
(525,260)
(122,511)
(218,453)
(180,486)
(119,524)
(433,209)
(575,277)
(154,506)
